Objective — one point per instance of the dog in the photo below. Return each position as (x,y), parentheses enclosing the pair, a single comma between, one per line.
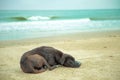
(53,58)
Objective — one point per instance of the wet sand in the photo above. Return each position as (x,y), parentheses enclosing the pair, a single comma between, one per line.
(99,53)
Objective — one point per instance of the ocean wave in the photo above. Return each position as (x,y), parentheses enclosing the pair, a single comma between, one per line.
(33,18)
(43,25)
(37,18)
(104,18)
(46,18)
(18,18)
(40,18)
(57,25)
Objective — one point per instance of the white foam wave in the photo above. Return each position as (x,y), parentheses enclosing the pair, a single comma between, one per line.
(37,18)
(45,25)
(85,19)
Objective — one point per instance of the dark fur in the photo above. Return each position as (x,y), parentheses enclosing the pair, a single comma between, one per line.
(53,57)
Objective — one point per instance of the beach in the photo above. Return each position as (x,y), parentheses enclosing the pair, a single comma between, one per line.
(98,52)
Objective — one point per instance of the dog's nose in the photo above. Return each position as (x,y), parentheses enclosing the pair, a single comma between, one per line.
(78,64)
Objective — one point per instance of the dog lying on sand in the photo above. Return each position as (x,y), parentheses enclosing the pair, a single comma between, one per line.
(39,59)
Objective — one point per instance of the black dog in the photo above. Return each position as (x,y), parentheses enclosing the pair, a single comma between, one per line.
(53,57)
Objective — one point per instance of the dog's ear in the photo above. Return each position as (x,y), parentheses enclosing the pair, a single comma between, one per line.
(62,60)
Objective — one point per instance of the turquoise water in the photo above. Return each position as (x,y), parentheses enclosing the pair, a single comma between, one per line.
(25,15)
(23,24)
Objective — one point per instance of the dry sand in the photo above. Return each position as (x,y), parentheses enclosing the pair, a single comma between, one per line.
(99,53)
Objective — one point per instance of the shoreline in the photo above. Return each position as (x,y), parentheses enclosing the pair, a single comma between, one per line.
(68,36)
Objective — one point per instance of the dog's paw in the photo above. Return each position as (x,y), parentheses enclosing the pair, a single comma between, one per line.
(45,67)
(58,66)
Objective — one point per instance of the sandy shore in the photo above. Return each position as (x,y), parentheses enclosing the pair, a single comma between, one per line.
(99,53)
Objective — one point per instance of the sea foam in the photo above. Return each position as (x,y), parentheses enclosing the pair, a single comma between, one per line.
(37,18)
(44,25)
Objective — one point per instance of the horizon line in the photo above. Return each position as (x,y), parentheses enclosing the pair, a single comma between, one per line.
(63,9)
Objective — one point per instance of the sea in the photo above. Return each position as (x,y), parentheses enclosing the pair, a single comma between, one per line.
(26,24)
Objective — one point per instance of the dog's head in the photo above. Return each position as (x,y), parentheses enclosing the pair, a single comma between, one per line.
(69,61)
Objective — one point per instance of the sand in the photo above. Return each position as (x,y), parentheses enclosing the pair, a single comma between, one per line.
(99,53)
